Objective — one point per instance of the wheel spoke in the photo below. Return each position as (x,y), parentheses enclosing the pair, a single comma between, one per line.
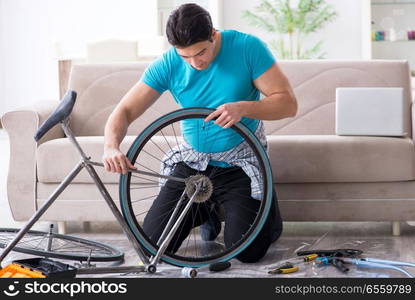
(146,187)
(177,143)
(142,199)
(155,144)
(161,131)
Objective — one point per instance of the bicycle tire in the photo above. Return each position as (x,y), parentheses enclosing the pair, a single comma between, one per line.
(100,251)
(125,189)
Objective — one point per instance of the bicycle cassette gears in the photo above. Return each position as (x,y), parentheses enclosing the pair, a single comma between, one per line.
(206,187)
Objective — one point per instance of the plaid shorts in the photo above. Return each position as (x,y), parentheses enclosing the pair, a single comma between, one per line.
(241,156)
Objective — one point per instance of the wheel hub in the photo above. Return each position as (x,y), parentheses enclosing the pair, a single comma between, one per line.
(206,187)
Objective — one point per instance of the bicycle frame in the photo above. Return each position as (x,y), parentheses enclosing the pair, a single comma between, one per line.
(149,263)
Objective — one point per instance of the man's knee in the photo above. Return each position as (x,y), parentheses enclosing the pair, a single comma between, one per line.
(259,247)
(252,255)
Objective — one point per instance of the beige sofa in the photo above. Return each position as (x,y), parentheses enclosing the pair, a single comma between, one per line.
(318,176)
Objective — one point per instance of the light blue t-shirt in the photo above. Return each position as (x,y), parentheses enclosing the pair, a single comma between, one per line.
(241,59)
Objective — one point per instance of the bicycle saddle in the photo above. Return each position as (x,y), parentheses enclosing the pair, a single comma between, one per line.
(61,113)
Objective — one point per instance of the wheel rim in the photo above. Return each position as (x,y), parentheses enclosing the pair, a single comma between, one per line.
(182,258)
(62,246)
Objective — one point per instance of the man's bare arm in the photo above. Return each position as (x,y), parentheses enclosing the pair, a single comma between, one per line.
(279,101)
(137,100)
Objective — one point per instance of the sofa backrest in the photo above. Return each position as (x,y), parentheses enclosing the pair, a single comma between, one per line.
(315,82)
(101,86)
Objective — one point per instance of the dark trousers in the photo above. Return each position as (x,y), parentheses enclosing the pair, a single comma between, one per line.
(232,191)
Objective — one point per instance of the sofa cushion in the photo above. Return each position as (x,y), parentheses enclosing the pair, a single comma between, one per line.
(330,158)
(305,158)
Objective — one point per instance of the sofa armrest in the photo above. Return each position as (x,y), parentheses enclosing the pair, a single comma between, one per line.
(413,117)
(21,126)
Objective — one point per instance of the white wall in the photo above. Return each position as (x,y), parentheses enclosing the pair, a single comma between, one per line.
(1,56)
(342,37)
(214,7)
(34,32)
(30,30)
(27,68)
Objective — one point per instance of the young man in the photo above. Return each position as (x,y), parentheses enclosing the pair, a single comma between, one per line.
(225,70)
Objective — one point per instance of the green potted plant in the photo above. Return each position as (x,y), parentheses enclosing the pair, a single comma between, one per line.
(292,24)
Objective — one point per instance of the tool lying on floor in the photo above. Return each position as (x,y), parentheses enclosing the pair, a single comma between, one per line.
(37,268)
(332,253)
(215,267)
(186,272)
(285,268)
(219,266)
(340,257)
(334,257)
(289,267)
(380,263)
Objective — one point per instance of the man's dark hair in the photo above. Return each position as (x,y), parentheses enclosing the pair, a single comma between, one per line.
(189,24)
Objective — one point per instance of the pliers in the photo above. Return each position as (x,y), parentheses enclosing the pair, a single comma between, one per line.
(285,268)
(289,267)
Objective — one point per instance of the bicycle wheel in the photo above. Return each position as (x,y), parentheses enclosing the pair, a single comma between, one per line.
(149,152)
(60,246)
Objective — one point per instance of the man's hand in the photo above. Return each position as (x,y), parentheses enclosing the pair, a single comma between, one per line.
(115,161)
(227,114)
